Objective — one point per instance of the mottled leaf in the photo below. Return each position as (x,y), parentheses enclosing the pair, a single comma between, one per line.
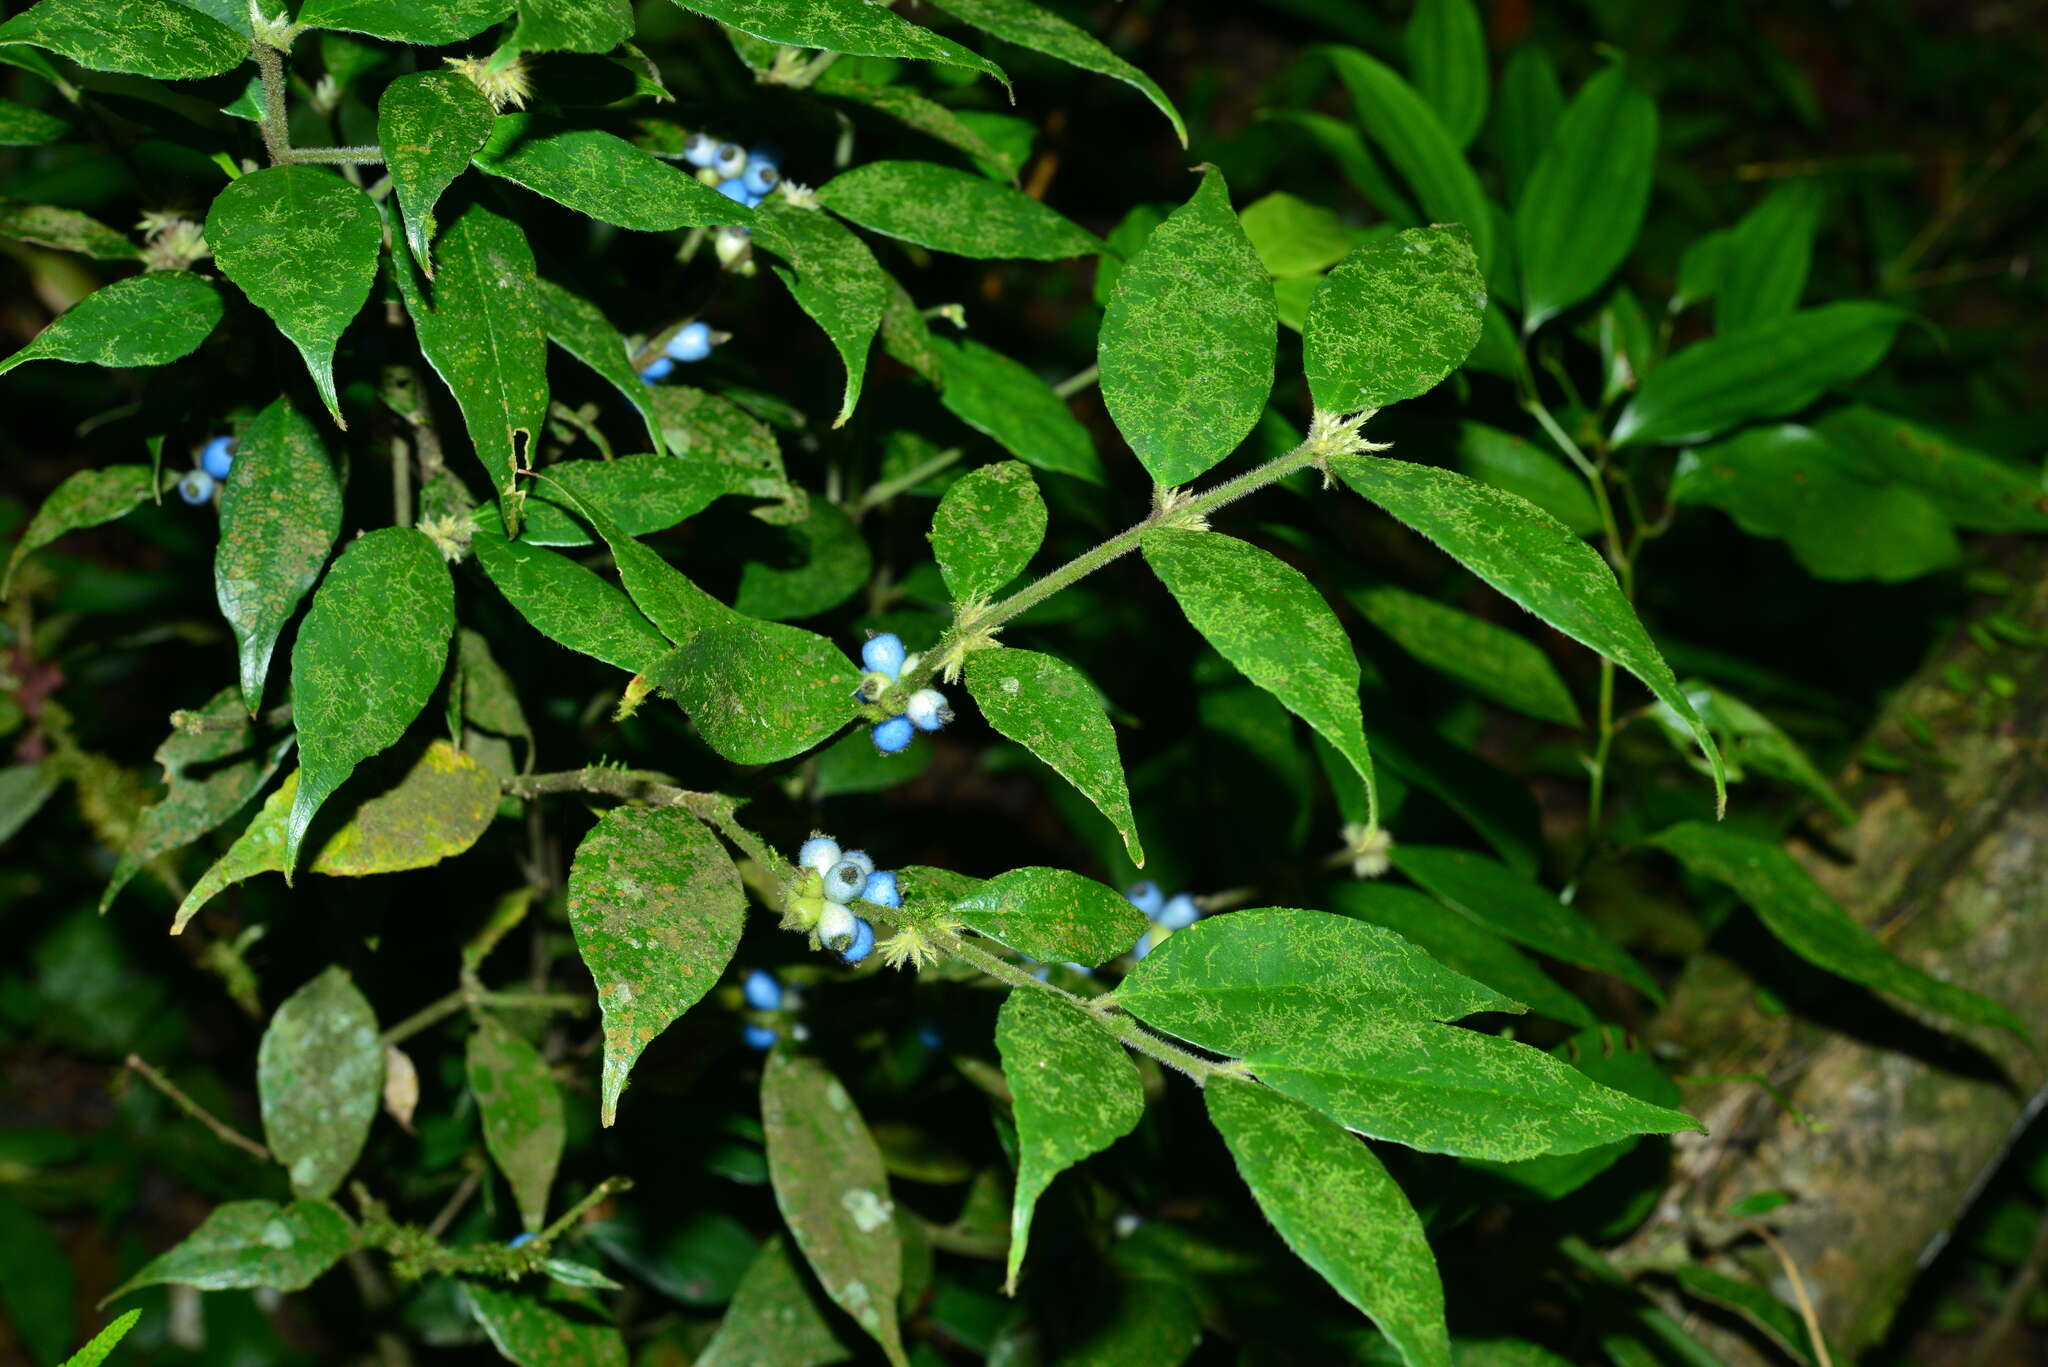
(953,211)
(67,230)
(831,274)
(429,123)
(640,494)
(1332,1201)
(1005,401)
(88,498)
(1188,340)
(1054,915)
(988,526)
(854,27)
(1604,1056)
(280,510)
(602,175)
(676,606)
(406,21)
(1446,49)
(565,602)
(760,691)
(1489,660)
(1973,489)
(1029,25)
(244,1245)
(656,905)
(776,1319)
(907,335)
(138,37)
(576,325)
(556,1331)
(573,25)
(21,126)
(1584,203)
(151,319)
(1393,319)
(914,110)
(302,243)
(521,1109)
(808,567)
(319,1072)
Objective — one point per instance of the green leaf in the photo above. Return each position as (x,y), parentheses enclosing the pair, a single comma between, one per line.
(88,498)
(1187,342)
(1332,1201)
(319,1071)
(424,806)
(151,319)
(1489,660)
(487,698)
(1073,1091)
(36,1283)
(1053,915)
(429,123)
(1814,926)
(244,1245)
(1762,1309)
(675,605)
(24,788)
(565,602)
(372,648)
(1418,145)
(1393,320)
(700,426)
(639,494)
(521,1109)
(602,175)
(833,1193)
(21,126)
(1446,49)
(1293,236)
(854,27)
(1460,944)
(138,37)
(832,275)
(988,526)
(1789,483)
(1253,981)
(776,1317)
(1339,140)
(1004,400)
(576,325)
(1525,115)
(302,243)
(1699,269)
(280,511)
(1762,268)
(656,905)
(760,691)
(1505,1353)
(1528,471)
(1517,908)
(210,774)
(483,334)
(556,1332)
(573,25)
(1051,709)
(1976,491)
(1584,203)
(67,230)
(1604,1055)
(953,211)
(1765,370)
(1533,559)
(913,110)
(1029,25)
(1442,1089)
(1264,617)
(1752,739)
(810,566)
(406,21)
(104,1342)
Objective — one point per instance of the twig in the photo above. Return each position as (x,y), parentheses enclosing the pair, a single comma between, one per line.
(222,1131)
(1075,383)
(1938,226)
(192,723)
(455,1203)
(1820,1342)
(878,494)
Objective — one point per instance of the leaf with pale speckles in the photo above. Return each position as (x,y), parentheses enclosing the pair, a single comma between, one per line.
(833,1193)
(602,175)
(1188,340)
(1338,1209)
(565,602)
(929,893)
(426,807)
(906,335)
(1074,1092)
(832,276)
(675,605)
(1264,617)
(573,25)
(67,230)
(302,243)
(953,211)
(372,648)
(1814,926)
(777,1319)
(555,1328)
(86,498)
(1004,400)
(319,1073)
(406,21)
(210,775)
(482,332)
(987,527)
(640,494)
(912,109)
(138,37)
(243,1245)
(521,1109)
(855,27)
(1029,25)
(1051,709)
(21,126)
(578,327)
(280,510)
(429,123)
(151,319)
(760,691)
(656,906)
(1393,319)
(1053,914)
(1257,980)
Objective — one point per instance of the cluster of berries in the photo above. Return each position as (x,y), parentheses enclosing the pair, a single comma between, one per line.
(924,710)
(1167,914)
(745,176)
(832,878)
(692,342)
(216,458)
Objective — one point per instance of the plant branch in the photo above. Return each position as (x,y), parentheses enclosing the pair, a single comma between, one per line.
(276,121)
(878,494)
(438,1010)
(714,809)
(222,1131)
(1077,382)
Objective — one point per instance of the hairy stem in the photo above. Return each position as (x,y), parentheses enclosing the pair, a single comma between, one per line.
(276,122)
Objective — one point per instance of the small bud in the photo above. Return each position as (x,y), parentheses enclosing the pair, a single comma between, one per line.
(506,82)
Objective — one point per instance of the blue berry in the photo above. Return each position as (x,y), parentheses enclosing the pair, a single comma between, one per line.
(883,654)
(765,154)
(1179,913)
(734,191)
(929,1035)
(835,926)
(862,858)
(928,709)
(217,457)
(844,881)
(1145,946)
(700,149)
(862,944)
(763,992)
(893,735)
(760,1037)
(519,1241)
(883,890)
(760,180)
(820,852)
(691,343)
(729,160)
(1146,897)
(657,371)
(196,487)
